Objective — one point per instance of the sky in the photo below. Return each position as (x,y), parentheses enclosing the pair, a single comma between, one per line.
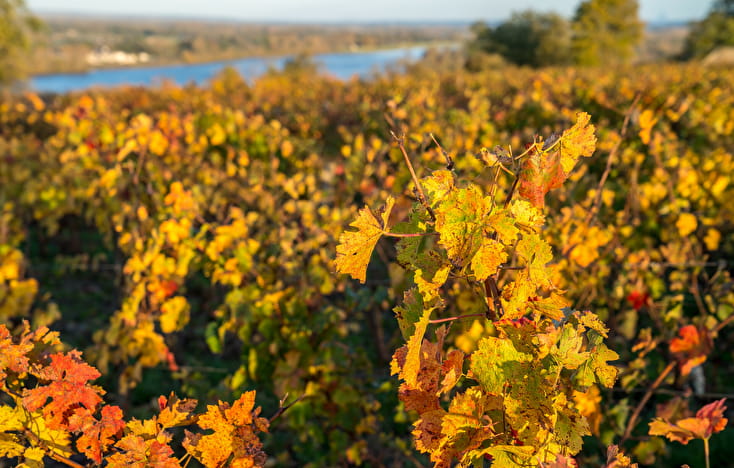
(353,10)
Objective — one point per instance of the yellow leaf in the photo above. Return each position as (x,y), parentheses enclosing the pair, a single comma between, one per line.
(10,445)
(686,224)
(577,141)
(489,257)
(647,121)
(286,148)
(33,457)
(712,239)
(355,247)
(409,372)
(142,213)
(174,314)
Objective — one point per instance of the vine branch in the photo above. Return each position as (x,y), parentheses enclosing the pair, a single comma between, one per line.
(418,188)
(633,420)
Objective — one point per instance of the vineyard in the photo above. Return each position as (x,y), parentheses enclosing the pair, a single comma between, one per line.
(509,268)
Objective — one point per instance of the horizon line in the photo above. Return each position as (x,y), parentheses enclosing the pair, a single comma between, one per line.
(71,14)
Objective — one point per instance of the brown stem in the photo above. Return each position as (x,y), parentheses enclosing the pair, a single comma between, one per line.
(722,324)
(449,161)
(510,194)
(283,409)
(451,319)
(414,234)
(419,189)
(633,420)
(492,291)
(697,296)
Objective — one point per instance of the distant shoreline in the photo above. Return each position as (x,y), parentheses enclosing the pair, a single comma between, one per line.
(173,63)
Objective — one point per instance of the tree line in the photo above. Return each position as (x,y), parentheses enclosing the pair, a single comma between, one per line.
(600,32)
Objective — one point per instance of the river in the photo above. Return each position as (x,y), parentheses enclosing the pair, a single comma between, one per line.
(341,65)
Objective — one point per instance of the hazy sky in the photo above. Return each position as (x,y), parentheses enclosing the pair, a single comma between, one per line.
(353,10)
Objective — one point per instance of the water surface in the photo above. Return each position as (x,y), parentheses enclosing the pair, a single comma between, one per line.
(341,65)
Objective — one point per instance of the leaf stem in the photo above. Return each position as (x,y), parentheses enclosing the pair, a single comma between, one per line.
(419,189)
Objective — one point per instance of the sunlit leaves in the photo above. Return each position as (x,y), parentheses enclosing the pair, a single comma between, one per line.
(355,247)
(64,407)
(490,255)
(234,436)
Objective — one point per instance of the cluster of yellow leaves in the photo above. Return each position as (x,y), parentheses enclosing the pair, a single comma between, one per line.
(519,414)
(16,293)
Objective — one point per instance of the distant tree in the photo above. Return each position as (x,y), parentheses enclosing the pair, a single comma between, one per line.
(716,30)
(16,26)
(606,31)
(527,38)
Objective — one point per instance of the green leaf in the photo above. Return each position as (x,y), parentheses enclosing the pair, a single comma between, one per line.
(497,363)
(409,312)
(596,368)
(568,351)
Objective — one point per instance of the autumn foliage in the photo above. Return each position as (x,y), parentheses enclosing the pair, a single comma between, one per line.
(552,275)
(63,414)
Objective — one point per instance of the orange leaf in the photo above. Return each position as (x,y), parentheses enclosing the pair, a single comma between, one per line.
(709,420)
(234,434)
(96,435)
(691,349)
(137,452)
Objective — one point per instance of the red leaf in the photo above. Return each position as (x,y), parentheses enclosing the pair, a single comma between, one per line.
(541,172)
(67,388)
(638,299)
(713,413)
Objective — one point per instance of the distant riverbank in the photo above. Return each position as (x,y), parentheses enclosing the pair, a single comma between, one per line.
(340,65)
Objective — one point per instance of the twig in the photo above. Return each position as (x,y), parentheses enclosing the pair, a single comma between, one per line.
(610,160)
(408,234)
(419,189)
(722,324)
(451,319)
(633,420)
(449,161)
(283,409)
